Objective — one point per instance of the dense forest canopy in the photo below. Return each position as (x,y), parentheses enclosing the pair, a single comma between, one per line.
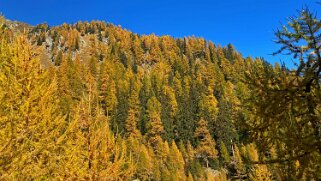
(93,101)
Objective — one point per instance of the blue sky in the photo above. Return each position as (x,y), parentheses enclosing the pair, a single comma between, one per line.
(247,24)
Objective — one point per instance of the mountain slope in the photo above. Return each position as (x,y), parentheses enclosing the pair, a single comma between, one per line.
(134,106)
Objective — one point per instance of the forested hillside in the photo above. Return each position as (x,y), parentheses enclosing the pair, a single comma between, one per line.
(94,101)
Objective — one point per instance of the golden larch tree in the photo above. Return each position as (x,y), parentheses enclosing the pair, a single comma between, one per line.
(205,149)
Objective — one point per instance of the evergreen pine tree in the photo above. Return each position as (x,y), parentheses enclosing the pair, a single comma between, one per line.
(224,154)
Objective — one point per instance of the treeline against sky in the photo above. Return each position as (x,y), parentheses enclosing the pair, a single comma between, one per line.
(94,101)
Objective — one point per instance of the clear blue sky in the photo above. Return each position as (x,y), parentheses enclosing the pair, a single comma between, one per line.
(247,24)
